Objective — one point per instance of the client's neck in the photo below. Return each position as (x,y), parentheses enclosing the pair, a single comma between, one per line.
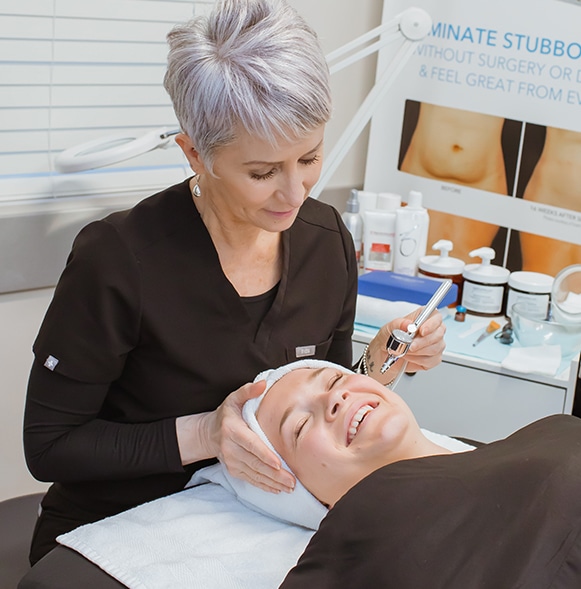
(424,448)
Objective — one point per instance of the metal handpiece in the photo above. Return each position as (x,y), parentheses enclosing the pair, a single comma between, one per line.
(397,345)
(432,304)
(399,341)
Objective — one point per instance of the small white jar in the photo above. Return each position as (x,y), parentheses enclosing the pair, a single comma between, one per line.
(484,289)
(531,289)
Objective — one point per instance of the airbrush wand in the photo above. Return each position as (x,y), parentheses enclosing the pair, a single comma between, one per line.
(399,341)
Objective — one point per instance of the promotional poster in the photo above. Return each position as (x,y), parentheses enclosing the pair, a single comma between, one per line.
(485,121)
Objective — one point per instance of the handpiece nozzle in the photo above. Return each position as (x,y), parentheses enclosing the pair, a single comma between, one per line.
(389,362)
(399,341)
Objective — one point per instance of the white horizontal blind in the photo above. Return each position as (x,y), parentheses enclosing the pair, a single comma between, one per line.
(72,71)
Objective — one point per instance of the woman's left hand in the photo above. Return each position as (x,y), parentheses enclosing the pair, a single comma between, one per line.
(424,353)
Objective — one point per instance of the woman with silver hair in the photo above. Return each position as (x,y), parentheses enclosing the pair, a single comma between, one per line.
(163,310)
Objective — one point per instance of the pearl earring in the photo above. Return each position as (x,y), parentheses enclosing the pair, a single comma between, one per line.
(196,189)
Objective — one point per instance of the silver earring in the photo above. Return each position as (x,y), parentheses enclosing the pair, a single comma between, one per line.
(196,189)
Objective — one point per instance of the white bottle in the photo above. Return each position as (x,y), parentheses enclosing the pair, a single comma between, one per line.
(354,222)
(484,286)
(411,238)
(367,202)
(379,233)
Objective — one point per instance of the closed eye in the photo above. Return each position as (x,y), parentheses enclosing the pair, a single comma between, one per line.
(305,162)
(335,379)
(310,161)
(300,427)
(266,176)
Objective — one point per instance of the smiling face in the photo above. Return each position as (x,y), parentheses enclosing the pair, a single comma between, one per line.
(257,184)
(333,429)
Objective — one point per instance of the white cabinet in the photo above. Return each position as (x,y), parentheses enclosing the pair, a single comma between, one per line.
(475,399)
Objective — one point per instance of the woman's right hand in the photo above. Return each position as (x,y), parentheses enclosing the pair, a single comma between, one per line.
(224,434)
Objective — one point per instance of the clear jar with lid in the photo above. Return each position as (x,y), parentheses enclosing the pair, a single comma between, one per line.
(443,266)
(532,289)
(484,289)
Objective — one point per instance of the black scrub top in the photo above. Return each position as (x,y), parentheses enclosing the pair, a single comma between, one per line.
(144,327)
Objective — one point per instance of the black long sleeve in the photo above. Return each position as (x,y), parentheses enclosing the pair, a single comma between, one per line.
(66,440)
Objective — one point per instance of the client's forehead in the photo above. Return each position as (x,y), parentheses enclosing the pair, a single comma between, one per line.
(288,386)
(298,376)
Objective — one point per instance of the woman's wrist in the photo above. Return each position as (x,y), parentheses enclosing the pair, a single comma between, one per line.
(194,437)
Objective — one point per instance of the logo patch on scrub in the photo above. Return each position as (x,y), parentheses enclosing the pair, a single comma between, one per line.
(305,351)
(51,362)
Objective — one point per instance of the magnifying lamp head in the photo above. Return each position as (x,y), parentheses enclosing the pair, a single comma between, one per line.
(566,294)
(110,150)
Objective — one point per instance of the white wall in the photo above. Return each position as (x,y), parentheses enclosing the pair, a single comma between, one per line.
(336,21)
(20,316)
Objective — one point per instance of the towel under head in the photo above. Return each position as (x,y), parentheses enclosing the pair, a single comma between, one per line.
(299,507)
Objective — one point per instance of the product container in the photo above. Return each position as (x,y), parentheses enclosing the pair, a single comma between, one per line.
(484,288)
(354,222)
(443,266)
(367,201)
(388,201)
(379,233)
(531,289)
(411,235)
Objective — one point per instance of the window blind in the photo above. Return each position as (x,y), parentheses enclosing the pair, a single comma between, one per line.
(73,71)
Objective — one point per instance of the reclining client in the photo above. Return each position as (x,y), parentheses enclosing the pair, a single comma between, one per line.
(406,512)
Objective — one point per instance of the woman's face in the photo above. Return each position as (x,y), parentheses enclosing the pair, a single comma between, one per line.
(333,429)
(260,185)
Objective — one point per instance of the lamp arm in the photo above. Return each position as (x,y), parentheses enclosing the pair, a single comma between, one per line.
(385,40)
(412,25)
(362,116)
(390,29)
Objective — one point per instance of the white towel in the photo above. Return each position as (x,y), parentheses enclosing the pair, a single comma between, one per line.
(451,444)
(544,360)
(377,312)
(200,538)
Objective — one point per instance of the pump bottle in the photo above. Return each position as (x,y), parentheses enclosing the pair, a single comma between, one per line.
(485,285)
(354,222)
(443,266)
(411,235)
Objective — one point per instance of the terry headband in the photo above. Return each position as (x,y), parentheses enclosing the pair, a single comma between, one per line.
(299,507)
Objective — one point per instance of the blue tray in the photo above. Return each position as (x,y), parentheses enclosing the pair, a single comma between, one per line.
(400,287)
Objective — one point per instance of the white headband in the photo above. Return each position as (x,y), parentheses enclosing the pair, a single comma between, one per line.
(299,507)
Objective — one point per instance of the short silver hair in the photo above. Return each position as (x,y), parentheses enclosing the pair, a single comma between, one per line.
(249,63)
